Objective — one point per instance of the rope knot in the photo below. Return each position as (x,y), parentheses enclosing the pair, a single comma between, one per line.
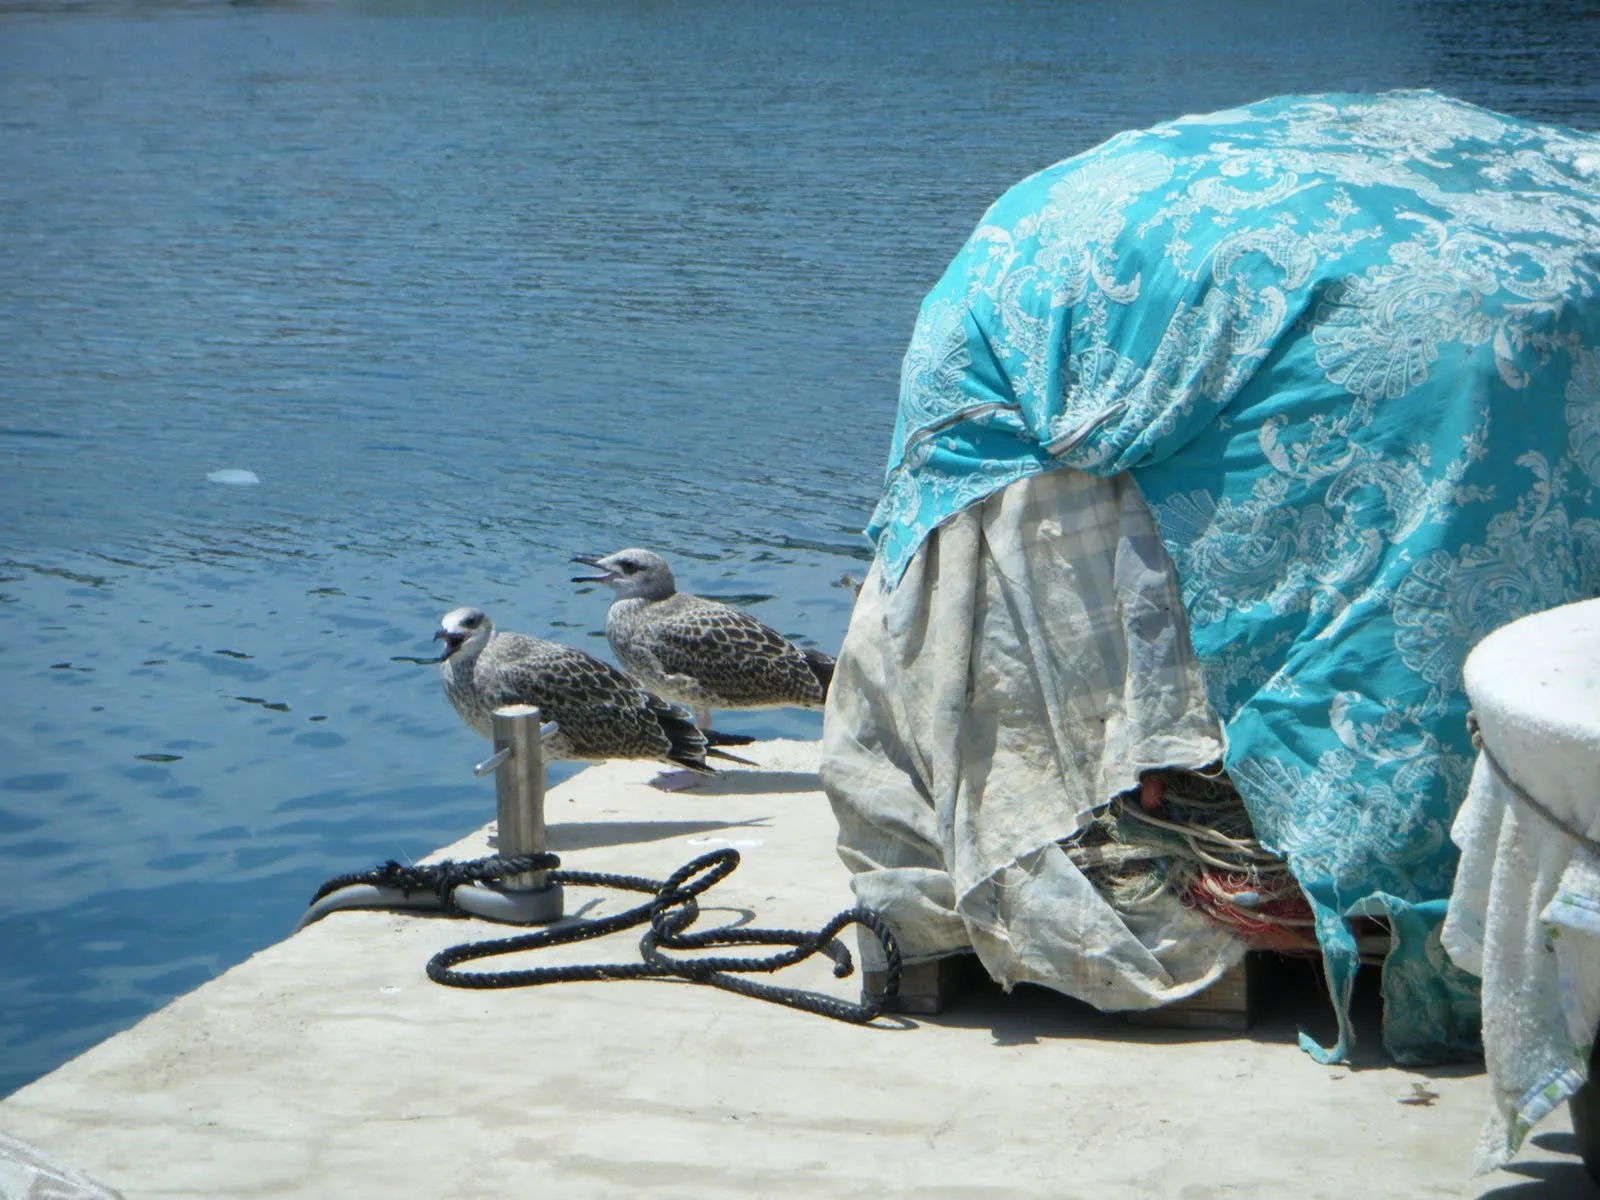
(668,915)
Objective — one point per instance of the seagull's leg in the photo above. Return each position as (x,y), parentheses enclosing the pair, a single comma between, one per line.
(676,781)
(702,718)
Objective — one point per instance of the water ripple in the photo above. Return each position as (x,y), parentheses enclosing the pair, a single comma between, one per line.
(465,290)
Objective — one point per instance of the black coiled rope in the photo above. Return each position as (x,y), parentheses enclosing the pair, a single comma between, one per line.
(441,878)
(672,909)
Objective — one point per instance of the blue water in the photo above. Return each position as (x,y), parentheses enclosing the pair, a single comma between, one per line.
(470,288)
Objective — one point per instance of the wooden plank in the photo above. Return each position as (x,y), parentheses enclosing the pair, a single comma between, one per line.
(926,988)
(1229,1003)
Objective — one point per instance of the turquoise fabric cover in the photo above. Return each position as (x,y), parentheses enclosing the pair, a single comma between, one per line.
(1347,346)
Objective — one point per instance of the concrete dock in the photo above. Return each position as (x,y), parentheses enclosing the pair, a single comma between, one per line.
(330,1066)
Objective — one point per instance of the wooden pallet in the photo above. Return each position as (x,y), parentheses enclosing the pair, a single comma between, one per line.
(926,988)
(1228,1004)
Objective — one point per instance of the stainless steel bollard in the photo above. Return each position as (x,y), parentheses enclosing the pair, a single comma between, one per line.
(519,791)
(518,763)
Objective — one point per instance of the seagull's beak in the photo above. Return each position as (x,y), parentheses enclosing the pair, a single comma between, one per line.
(592,560)
(452,641)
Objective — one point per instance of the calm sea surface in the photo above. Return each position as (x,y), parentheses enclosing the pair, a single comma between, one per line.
(470,288)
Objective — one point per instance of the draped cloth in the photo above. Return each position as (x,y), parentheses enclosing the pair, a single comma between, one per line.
(1027,666)
(1525,916)
(1347,348)
(1525,911)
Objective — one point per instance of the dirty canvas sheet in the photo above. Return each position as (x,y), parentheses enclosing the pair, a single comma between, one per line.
(1029,666)
(1525,916)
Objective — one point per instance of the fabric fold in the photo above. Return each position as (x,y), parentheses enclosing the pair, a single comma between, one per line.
(1027,669)
(1347,348)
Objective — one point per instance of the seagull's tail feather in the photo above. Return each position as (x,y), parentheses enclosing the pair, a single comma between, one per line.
(698,765)
(713,738)
(821,666)
(686,744)
(715,753)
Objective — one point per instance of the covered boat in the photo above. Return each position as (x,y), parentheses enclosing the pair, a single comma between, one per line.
(1219,446)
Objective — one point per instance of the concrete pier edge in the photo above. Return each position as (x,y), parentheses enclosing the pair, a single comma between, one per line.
(329,1065)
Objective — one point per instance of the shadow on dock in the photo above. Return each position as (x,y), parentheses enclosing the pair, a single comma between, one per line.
(737,781)
(591,835)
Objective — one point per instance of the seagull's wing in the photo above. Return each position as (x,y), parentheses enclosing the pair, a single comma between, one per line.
(732,654)
(601,712)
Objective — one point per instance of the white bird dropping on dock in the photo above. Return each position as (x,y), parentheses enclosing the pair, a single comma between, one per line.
(599,712)
(697,652)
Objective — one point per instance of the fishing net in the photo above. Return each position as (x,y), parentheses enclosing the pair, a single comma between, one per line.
(1196,843)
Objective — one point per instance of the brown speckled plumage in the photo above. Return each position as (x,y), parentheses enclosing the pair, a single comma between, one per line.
(599,711)
(708,655)
(703,653)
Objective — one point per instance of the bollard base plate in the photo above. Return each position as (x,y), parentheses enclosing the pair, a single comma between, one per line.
(539,906)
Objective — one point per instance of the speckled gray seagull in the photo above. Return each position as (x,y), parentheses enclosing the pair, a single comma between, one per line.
(698,652)
(599,712)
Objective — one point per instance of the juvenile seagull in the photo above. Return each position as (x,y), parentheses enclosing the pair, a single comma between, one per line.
(599,712)
(698,652)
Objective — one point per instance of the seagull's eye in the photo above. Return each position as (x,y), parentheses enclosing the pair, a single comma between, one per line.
(471,622)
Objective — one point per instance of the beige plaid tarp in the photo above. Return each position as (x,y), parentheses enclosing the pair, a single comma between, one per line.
(1032,662)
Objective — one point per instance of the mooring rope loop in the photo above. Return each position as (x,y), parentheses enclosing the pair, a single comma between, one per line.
(668,917)
(441,878)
